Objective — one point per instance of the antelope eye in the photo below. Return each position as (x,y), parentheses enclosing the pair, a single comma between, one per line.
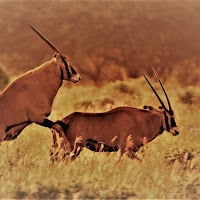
(171,112)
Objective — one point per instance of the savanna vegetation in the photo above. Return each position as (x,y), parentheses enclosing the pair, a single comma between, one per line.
(168,167)
(106,41)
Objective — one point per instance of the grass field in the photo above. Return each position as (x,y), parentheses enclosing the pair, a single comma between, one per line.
(168,168)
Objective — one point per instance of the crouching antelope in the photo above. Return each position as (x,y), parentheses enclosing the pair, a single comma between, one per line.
(123,128)
(30,97)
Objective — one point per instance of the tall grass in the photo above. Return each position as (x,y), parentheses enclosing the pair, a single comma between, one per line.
(168,166)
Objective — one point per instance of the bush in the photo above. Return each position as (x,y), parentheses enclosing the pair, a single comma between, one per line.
(187,97)
(190,96)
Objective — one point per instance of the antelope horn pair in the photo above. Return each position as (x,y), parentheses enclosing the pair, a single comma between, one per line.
(156,92)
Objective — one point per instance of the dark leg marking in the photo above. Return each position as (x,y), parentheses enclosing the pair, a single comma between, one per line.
(93,145)
(13,132)
(62,124)
(12,126)
(47,123)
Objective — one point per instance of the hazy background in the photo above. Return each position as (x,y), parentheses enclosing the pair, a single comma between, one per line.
(104,40)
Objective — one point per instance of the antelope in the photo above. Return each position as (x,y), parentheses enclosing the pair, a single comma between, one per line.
(123,129)
(29,98)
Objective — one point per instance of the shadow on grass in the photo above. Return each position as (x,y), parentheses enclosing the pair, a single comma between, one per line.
(76,192)
(43,192)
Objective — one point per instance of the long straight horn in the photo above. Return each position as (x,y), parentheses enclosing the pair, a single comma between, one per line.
(162,88)
(46,40)
(153,90)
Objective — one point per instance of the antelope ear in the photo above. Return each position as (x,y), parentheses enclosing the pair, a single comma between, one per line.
(145,107)
(57,57)
(161,108)
(150,108)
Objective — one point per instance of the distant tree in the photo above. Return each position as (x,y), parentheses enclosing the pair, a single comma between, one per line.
(4,79)
(105,65)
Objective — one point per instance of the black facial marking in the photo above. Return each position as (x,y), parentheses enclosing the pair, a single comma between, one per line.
(67,68)
(61,76)
(73,71)
(68,73)
(173,123)
(166,122)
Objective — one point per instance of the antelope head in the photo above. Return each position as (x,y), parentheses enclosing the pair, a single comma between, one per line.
(169,123)
(68,72)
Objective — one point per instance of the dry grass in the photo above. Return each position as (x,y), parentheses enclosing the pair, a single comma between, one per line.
(169,166)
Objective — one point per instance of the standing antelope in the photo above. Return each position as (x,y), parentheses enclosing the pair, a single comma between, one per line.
(123,128)
(30,97)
